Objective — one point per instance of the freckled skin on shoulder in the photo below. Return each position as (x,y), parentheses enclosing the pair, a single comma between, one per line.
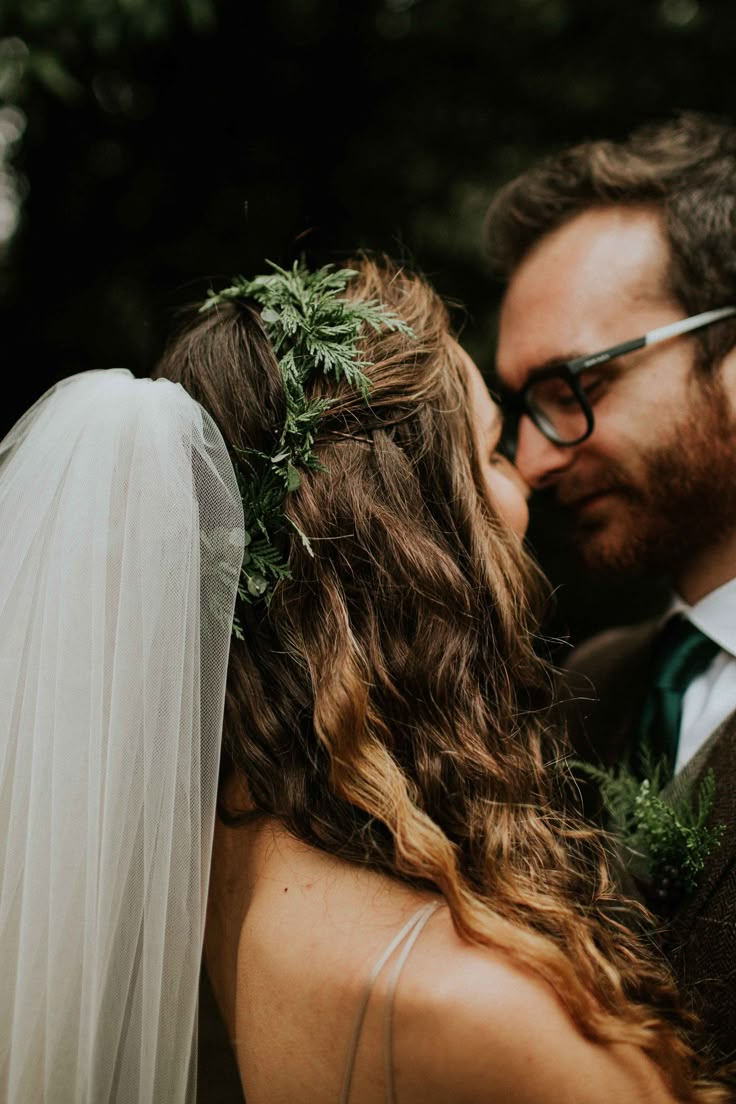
(472,1028)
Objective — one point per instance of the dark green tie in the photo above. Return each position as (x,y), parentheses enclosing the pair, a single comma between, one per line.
(680,653)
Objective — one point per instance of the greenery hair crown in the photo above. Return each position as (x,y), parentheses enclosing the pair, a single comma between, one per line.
(313,329)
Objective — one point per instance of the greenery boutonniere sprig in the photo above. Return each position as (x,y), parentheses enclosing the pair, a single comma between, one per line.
(664,837)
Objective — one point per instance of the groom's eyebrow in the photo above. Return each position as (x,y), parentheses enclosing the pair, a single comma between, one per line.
(553,362)
(557,361)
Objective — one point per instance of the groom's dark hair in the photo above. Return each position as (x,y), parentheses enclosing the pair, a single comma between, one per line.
(685,168)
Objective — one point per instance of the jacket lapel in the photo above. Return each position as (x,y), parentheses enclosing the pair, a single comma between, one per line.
(606,683)
(718,755)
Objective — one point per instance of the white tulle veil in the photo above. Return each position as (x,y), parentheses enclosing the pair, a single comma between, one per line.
(121,540)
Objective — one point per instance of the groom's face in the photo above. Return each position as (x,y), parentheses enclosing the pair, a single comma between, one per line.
(645,491)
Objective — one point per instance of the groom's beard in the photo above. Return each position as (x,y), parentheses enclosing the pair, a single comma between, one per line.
(680,502)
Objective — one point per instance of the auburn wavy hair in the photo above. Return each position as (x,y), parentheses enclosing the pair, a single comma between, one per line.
(389,705)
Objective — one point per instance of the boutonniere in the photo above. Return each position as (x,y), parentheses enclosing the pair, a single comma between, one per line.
(664,838)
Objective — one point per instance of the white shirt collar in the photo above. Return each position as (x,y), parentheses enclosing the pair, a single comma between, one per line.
(714,615)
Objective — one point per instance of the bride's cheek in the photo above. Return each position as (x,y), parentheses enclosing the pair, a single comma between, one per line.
(509,500)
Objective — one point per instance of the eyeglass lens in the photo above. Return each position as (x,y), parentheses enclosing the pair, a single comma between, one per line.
(556,409)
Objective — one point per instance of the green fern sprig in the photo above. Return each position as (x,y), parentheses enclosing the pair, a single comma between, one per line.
(313,328)
(659,833)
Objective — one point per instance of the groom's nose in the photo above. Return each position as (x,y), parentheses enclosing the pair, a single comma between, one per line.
(540,461)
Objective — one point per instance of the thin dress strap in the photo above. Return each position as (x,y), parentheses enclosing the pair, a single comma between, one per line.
(410,932)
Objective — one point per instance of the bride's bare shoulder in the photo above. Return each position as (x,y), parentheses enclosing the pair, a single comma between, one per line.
(306,929)
(471,1026)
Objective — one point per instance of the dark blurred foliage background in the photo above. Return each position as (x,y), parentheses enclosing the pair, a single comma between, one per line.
(148,147)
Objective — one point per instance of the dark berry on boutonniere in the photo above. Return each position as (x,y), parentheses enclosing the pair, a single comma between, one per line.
(667,889)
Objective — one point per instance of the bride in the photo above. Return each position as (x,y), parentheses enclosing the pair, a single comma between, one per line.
(401,906)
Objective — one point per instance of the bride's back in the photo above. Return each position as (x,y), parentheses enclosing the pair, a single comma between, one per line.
(293,935)
(305,954)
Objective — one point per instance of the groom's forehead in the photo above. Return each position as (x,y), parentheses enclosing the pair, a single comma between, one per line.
(587,285)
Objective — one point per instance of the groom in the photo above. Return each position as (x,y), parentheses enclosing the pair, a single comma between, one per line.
(617,357)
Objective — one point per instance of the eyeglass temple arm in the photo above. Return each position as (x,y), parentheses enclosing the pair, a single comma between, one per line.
(582,363)
(685,325)
(662,333)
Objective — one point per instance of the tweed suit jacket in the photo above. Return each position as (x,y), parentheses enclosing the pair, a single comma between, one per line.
(607,677)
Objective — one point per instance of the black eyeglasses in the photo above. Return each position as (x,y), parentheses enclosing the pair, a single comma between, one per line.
(556,399)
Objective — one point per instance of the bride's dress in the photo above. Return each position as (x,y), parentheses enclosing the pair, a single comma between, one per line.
(399,949)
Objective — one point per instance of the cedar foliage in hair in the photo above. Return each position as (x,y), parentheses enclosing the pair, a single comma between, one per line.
(388,706)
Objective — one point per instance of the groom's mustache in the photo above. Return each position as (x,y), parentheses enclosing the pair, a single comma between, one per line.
(574,489)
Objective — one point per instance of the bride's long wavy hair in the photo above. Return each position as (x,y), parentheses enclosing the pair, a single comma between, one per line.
(389,705)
